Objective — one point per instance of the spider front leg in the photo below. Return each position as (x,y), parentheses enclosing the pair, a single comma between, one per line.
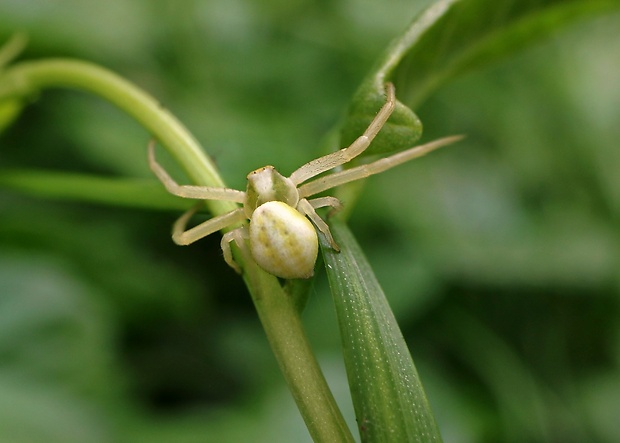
(330,161)
(322,202)
(183,237)
(348,175)
(188,191)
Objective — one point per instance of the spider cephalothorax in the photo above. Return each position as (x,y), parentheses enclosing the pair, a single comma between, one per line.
(281,234)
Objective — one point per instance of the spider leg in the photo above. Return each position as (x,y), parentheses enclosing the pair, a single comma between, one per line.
(359,172)
(307,209)
(187,191)
(239,236)
(185,237)
(322,202)
(330,161)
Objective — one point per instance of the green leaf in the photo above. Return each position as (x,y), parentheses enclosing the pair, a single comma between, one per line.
(135,193)
(476,33)
(448,39)
(404,127)
(388,397)
(401,130)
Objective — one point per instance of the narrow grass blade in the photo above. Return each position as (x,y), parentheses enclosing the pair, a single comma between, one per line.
(388,397)
(135,193)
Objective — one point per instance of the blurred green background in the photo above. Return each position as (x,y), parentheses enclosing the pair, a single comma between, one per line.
(500,256)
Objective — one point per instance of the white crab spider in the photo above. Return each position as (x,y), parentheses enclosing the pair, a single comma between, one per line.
(282,238)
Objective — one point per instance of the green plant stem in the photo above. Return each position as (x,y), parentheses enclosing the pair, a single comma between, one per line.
(29,78)
(280,317)
(276,308)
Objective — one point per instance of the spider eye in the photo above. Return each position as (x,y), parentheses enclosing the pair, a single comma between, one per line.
(283,242)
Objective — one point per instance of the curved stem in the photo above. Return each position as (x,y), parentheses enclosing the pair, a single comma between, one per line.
(29,78)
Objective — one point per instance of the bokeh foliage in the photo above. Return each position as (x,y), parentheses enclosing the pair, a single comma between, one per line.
(500,257)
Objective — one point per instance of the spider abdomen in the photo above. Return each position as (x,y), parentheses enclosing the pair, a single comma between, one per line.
(283,242)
